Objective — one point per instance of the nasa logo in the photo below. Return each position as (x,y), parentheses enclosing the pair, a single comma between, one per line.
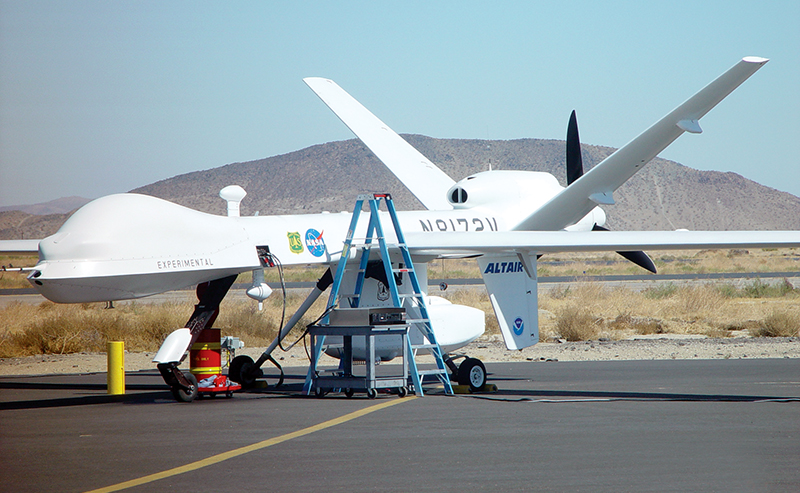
(314,243)
(518,326)
(295,245)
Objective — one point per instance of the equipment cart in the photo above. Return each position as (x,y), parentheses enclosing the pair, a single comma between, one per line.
(344,378)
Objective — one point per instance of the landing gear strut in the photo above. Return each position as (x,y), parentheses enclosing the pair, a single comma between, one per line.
(186,394)
(210,294)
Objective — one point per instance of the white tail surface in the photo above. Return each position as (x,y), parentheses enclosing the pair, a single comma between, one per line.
(514,297)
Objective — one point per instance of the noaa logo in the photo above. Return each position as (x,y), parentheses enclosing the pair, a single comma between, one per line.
(314,243)
(518,326)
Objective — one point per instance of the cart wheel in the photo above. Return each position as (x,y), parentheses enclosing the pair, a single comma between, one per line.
(181,395)
(229,394)
(402,391)
(372,393)
(349,392)
(319,392)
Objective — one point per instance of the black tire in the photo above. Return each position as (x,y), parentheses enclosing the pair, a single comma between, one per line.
(372,393)
(472,372)
(402,392)
(349,392)
(319,392)
(181,395)
(241,371)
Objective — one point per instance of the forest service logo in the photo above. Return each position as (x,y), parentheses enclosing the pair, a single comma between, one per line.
(295,243)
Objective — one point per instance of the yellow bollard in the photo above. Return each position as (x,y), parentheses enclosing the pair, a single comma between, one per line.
(116,368)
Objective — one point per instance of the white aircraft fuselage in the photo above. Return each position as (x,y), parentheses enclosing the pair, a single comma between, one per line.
(128,246)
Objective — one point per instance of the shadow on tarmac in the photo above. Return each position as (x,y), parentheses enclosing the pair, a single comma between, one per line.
(556,396)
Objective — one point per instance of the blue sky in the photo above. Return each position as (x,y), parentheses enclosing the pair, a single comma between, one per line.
(102,97)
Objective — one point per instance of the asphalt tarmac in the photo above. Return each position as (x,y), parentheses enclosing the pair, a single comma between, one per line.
(682,425)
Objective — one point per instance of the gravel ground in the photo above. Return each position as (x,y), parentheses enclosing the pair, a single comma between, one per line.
(492,350)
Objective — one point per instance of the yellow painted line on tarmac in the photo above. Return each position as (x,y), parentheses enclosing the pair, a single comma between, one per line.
(216,459)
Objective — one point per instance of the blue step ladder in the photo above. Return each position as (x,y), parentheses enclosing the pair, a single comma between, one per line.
(413,302)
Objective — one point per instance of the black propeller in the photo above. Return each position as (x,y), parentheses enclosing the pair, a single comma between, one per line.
(575,171)
(639,258)
(574,160)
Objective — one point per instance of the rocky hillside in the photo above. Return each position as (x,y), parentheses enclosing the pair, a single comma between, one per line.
(664,195)
(327,177)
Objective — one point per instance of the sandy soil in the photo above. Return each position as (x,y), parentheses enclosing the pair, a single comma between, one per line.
(492,350)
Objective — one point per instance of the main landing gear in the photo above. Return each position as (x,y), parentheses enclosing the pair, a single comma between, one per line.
(470,372)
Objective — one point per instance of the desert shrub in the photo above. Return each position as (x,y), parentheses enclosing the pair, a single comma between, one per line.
(559,293)
(660,291)
(638,325)
(758,289)
(576,323)
(699,301)
(778,324)
(728,290)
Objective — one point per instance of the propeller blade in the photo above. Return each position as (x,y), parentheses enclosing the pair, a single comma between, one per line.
(574,160)
(639,258)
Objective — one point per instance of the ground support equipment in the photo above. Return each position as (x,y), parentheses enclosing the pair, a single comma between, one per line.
(205,364)
(344,378)
(413,303)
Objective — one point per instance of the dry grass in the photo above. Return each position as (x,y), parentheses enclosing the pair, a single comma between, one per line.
(576,323)
(49,328)
(581,312)
(587,310)
(779,324)
(711,310)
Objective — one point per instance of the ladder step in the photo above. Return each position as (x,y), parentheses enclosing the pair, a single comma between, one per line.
(412,295)
(423,346)
(437,371)
(418,320)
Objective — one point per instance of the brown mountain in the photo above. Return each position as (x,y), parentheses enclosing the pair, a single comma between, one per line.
(57,206)
(663,196)
(327,177)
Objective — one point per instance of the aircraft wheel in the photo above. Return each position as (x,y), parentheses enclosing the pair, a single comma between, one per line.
(241,371)
(372,393)
(472,372)
(181,395)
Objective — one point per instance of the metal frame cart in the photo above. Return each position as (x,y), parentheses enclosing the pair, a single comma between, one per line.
(344,377)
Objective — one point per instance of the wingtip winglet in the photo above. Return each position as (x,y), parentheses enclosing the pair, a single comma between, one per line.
(755,59)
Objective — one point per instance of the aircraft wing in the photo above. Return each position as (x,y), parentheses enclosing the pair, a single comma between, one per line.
(534,242)
(19,246)
(597,185)
(425,180)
